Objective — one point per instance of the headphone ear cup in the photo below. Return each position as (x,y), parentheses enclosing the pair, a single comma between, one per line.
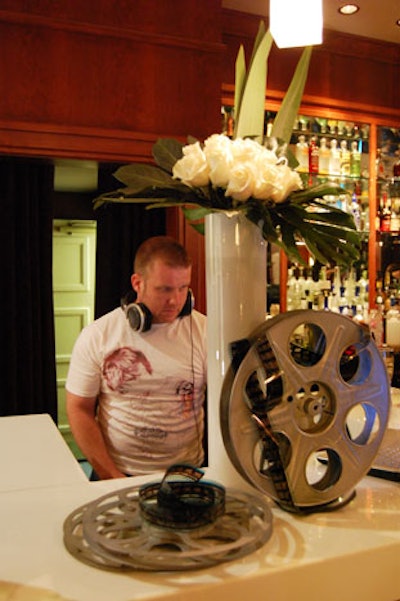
(139,317)
(188,306)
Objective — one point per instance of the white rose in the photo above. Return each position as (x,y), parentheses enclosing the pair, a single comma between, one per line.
(218,153)
(266,174)
(286,181)
(241,182)
(192,168)
(245,150)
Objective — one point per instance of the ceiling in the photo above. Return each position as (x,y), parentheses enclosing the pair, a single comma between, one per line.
(375,19)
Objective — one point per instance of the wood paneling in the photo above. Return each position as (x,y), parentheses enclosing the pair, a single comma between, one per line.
(105,79)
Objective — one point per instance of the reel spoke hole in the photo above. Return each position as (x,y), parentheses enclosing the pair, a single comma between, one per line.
(307,344)
(323,469)
(355,365)
(362,423)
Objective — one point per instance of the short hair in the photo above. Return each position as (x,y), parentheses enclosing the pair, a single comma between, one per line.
(165,248)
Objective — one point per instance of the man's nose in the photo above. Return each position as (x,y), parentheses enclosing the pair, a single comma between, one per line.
(173,298)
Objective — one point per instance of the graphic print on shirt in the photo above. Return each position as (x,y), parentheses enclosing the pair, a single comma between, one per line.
(185,391)
(123,366)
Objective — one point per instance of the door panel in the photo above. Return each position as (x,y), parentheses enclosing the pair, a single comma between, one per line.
(74,260)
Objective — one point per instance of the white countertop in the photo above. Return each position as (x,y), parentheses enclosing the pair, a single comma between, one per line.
(351,554)
(33,454)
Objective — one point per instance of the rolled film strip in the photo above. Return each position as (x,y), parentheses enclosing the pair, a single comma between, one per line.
(111,533)
(304,408)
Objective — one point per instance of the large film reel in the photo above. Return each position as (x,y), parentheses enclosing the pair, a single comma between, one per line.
(311,385)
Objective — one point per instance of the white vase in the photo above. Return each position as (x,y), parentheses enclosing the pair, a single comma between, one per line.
(236,304)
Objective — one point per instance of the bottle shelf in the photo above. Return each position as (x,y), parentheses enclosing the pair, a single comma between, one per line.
(333,177)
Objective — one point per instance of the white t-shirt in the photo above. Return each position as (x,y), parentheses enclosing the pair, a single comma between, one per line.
(147,411)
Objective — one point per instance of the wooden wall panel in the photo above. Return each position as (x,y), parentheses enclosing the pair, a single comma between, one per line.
(135,71)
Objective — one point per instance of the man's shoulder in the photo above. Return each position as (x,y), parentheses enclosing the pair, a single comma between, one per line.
(109,321)
(199,316)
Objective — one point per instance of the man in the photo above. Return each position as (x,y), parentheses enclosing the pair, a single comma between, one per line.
(136,382)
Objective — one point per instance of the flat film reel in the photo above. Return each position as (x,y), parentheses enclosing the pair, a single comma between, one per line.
(328,405)
(110,533)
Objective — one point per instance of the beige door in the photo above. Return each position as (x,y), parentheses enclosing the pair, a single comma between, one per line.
(74,259)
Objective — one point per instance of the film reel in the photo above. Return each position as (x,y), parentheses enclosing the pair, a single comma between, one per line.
(304,408)
(110,533)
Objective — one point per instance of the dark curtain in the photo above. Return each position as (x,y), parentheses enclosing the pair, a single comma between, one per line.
(28,378)
(120,230)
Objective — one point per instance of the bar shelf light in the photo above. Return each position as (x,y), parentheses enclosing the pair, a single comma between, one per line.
(296,23)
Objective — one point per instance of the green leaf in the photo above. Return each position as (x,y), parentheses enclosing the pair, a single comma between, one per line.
(196,213)
(315,192)
(199,227)
(240,68)
(240,78)
(166,152)
(139,176)
(249,122)
(288,243)
(195,217)
(284,121)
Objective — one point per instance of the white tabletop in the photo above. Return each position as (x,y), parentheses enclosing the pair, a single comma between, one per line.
(350,554)
(33,454)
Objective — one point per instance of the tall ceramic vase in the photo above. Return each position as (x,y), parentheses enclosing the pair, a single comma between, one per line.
(236,305)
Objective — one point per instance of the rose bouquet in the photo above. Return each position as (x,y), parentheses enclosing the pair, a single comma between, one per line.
(247,173)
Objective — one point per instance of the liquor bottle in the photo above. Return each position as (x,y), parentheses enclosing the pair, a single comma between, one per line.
(393,325)
(363,284)
(394,221)
(337,281)
(375,321)
(355,211)
(313,156)
(230,123)
(386,214)
(334,159)
(302,154)
(324,156)
(344,158)
(380,167)
(355,160)
(396,166)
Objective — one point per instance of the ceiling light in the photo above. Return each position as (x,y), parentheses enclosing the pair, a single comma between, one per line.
(295,23)
(349,9)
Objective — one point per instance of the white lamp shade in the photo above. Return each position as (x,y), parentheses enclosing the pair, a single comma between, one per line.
(296,22)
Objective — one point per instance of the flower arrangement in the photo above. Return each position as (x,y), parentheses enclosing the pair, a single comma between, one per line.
(247,173)
(242,167)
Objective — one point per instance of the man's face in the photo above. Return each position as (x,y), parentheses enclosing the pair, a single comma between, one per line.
(163,289)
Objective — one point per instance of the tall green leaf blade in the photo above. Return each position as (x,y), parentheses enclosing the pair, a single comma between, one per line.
(250,120)
(240,78)
(285,119)
(258,39)
(240,67)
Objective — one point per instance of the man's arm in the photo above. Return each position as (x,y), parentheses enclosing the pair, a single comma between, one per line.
(81,413)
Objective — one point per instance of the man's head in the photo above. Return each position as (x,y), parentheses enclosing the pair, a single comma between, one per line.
(161,278)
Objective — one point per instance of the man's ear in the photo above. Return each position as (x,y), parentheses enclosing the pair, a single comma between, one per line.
(136,282)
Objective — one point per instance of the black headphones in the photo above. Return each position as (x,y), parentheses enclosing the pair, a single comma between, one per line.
(140,317)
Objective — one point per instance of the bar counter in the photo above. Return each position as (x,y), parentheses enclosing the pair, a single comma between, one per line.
(350,554)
